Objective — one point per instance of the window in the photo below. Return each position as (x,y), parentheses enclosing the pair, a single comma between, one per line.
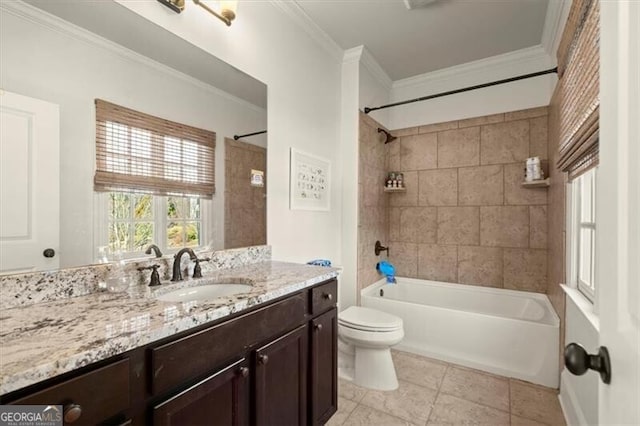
(154,178)
(583,233)
(133,221)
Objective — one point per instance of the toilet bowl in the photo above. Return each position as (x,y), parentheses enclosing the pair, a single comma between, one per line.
(365,339)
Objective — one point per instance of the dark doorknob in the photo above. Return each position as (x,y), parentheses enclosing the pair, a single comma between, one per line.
(578,361)
(49,252)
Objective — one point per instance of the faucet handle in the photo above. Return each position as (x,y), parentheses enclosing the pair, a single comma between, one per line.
(197,270)
(155,276)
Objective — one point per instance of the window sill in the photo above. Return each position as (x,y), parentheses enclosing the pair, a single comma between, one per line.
(584,305)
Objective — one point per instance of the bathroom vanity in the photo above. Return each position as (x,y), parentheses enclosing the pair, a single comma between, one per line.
(273,361)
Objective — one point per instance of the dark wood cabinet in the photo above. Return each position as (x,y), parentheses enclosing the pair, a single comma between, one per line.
(281,380)
(273,364)
(323,358)
(220,399)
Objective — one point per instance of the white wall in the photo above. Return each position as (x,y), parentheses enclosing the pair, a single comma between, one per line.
(529,93)
(50,64)
(579,394)
(304,109)
(349,158)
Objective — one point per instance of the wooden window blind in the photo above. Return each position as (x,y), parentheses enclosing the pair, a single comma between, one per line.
(140,152)
(578,68)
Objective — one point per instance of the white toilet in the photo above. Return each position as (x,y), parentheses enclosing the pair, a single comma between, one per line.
(365,339)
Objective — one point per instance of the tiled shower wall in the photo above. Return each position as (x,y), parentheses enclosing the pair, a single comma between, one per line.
(465,217)
(373,202)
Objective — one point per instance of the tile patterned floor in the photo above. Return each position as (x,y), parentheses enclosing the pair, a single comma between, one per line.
(436,393)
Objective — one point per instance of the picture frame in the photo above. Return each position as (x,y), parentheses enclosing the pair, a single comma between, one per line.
(310,180)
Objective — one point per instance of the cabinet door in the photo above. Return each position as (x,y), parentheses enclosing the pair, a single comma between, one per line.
(324,367)
(221,399)
(281,380)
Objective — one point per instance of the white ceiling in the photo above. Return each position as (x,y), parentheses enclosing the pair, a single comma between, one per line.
(438,35)
(114,22)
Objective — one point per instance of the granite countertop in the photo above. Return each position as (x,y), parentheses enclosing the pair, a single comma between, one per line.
(43,340)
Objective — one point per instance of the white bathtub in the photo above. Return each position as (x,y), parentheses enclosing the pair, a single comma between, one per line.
(506,332)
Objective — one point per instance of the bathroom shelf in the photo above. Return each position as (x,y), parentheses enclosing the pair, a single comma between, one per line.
(403,189)
(537,183)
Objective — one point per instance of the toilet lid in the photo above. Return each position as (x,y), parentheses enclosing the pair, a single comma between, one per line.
(361,318)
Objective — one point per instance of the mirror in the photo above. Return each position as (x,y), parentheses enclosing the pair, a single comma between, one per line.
(69,54)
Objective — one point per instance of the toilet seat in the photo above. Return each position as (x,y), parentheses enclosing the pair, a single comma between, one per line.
(365,319)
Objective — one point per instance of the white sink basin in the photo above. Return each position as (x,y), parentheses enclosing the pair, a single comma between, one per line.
(204,292)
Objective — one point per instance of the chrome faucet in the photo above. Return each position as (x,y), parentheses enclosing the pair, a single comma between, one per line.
(155,249)
(177,273)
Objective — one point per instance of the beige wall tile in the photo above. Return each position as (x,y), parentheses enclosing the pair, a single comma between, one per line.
(476,386)
(394,223)
(373,185)
(504,226)
(438,187)
(404,256)
(504,142)
(526,113)
(409,131)
(437,263)
(408,198)
(515,193)
(538,227)
(539,137)
(393,156)
(458,225)
(438,127)
(418,152)
(525,269)
(450,410)
(458,148)
(418,224)
(479,121)
(535,402)
(481,186)
(480,266)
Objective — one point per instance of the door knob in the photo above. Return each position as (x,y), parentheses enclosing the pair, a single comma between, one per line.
(72,413)
(263,359)
(578,361)
(49,252)
(318,327)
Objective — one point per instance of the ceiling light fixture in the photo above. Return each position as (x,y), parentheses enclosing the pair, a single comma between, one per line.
(227,8)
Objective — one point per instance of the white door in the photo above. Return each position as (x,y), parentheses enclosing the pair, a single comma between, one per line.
(618,209)
(29,184)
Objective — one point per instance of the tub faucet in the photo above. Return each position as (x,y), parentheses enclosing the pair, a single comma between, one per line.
(177,273)
(155,249)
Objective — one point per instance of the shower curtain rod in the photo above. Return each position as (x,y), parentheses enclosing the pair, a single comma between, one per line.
(367,110)
(236,137)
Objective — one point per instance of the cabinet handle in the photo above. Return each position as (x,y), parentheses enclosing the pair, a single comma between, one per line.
(263,359)
(328,296)
(72,413)
(243,371)
(318,327)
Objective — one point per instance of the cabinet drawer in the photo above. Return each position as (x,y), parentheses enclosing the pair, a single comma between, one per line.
(97,395)
(324,297)
(193,356)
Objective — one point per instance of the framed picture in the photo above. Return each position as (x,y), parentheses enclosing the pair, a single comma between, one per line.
(310,182)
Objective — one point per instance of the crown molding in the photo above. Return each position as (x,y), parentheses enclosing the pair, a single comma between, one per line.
(352,55)
(531,56)
(292,9)
(51,22)
(375,69)
(555,20)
